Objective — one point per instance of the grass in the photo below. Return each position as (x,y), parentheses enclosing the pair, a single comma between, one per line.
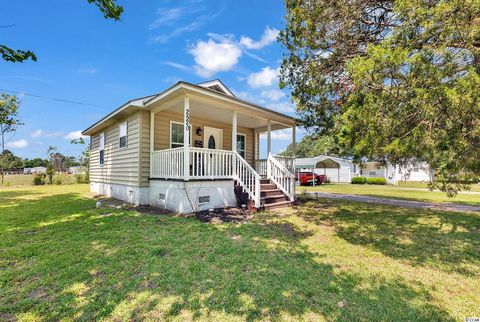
(27,179)
(423,185)
(395,192)
(63,259)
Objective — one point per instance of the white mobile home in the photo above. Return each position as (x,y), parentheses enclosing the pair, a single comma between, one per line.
(189,148)
(412,171)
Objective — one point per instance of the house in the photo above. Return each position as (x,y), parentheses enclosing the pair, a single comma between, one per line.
(77,170)
(189,148)
(337,170)
(35,170)
(411,171)
(341,170)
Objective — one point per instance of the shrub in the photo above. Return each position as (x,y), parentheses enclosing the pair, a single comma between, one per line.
(58,180)
(50,173)
(39,179)
(359,180)
(379,181)
(81,178)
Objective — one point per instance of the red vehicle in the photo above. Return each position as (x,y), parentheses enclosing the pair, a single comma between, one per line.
(305,178)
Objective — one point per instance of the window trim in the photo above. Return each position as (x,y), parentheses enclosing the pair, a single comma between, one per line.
(101,147)
(170,134)
(245,146)
(126,135)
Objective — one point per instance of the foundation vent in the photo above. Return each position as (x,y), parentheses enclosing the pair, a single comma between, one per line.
(203,199)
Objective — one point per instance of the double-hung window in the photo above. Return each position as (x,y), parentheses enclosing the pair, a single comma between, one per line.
(101,145)
(241,143)
(177,134)
(122,137)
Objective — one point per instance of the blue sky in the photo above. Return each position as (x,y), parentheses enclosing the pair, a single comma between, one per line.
(85,58)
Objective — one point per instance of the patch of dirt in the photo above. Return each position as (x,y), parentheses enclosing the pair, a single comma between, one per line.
(38,293)
(118,204)
(221,215)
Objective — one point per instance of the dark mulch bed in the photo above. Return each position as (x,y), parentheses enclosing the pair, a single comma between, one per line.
(221,215)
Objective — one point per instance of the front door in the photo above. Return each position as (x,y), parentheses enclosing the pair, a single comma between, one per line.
(212,138)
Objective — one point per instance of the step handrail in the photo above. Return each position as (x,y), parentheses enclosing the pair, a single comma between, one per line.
(247,178)
(281,176)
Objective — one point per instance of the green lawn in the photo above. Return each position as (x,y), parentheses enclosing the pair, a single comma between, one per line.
(423,185)
(389,191)
(63,259)
(27,179)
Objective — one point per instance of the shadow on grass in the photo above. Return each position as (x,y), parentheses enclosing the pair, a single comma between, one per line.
(447,240)
(87,264)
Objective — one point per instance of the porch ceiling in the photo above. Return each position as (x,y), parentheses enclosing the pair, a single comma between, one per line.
(206,110)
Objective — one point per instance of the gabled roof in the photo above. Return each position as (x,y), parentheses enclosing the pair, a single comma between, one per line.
(312,162)
(218,86)
(214,88)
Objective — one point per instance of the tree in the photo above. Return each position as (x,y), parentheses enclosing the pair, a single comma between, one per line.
(36,162)
(391,80)
(9,161)
(109,9)
(9,121)
(311,146)
(84,158)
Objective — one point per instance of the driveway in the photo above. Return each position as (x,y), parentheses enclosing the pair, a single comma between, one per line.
(397,202)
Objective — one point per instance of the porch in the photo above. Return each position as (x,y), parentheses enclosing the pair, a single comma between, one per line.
(193,137)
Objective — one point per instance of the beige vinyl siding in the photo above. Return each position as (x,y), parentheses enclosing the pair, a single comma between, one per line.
(121,164)
(144,149)
(162,132)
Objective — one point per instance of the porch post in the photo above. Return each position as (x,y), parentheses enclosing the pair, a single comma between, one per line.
(294,141)
(186,138)
(152,140)
(269,137)
(234,131)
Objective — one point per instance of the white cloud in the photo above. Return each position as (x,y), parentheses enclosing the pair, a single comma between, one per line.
(20,144)
(283,107)
(74,135)
(166,17)
(273,94)
(265,77)
(176,65)
(41,133)
(279,135)
(218,54)
(269,36)
(88,70)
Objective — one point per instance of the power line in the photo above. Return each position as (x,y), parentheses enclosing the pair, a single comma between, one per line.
(48,97)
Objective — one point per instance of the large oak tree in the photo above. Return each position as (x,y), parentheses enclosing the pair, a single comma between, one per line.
(392,80)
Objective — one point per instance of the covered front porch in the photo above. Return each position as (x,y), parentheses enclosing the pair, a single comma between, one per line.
(195,137)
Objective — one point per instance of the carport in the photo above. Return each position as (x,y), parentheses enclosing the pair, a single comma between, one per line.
(320,165)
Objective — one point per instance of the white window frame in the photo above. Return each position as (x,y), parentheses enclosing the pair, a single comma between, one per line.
(126,135)
(101,147)
(245,146)
(170,134)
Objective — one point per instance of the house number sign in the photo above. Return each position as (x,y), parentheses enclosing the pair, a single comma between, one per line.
(187,120)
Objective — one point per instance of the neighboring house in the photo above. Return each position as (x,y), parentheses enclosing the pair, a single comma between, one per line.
(27,170)
(189,148)
(341,170)
(77,170)
(38,170)
(411,171)
(337,170)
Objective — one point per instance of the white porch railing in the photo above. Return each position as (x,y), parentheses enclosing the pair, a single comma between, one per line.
(280,176)
(207,164)
(287,162)
(167,164)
